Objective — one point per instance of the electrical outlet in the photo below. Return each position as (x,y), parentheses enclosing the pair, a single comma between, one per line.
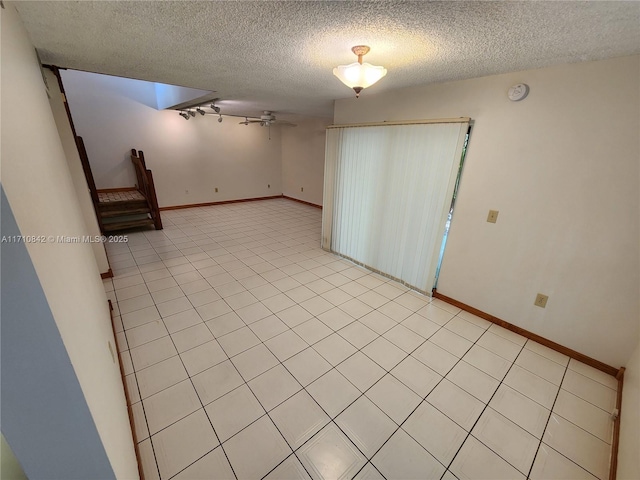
(302,189)
(216,189)
(541,300)
(493,216)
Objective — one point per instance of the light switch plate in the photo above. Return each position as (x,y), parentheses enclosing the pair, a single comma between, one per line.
(493,216)
(541,300)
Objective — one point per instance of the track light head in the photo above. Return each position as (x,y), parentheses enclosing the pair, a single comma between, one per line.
(184,115)
(220,119)
(200,111)
(215,108)
(192,113)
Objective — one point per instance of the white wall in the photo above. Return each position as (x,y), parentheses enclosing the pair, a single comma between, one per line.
(75,168)
(561,166)
(113,116)
(39,187)
(628,461)
(303,159)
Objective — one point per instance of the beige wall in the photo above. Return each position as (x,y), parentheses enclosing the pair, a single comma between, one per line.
(303,159)
(40,190)
(562,167)
(114,115)
(628,461)
(75,168)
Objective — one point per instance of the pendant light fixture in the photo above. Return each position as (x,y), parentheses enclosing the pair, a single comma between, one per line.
(359,75)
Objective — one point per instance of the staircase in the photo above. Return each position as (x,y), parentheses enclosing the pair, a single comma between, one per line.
(123,210)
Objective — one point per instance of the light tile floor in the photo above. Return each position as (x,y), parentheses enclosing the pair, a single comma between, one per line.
(250,352)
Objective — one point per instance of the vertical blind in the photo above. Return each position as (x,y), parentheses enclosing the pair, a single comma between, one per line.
(387,194)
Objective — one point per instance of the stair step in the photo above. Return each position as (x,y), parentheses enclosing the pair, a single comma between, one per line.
(122,205)
(121,212)
(127,224)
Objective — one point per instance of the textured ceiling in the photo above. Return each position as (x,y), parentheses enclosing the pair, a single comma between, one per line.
(271,55)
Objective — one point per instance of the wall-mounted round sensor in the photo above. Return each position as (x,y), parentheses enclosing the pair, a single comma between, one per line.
(518,92)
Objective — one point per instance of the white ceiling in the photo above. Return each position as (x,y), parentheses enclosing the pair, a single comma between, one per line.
(273,55)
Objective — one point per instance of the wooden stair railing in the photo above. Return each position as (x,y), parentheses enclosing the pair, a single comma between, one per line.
(146,186)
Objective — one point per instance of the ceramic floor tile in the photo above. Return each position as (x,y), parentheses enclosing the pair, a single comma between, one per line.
(161,284)
(378,322)
(299,418)
(290,469)
(473,381)
(286,345)
(139,422)
(437,433)
(252,313)
(500,346)
(183,443)
(395,311)
(390,291)
(216,381)
(451,342)
(229,289)
(140,317)
(507,334)
(182,320)
(512,443)
(487,361)
(550,465)
(214,309)
(477,321)
(421,325)
(589,390)
(373,299)
(541,366)
(170,405)
(264,291)
(294,316)
(202,357)
(212,465)
(240,300)
(268,327)
(152,352)
(417,376)
(313,331)
(300,294)
(578,445)
(279,302)
(333,392)
(402,457)
(547,352)
(274,386)
(174,306)
(355,308)
(336,296)
(455,403)
(592,373)
(435,357)
(146,333)
(585,415)
(384,353)
(334,349)
(162,375)
(521,410)
(465,329)
(316,305)
(191,337)
(234,411)
(262,443)
(336,319)
(366,425)
(148,460)
(131,292)
(203,297)
(254,361)
(393,398)
(227,323)
(238,341)
(357,334)
(475,461)
(307,366)
(330,455)
(404,338)
(534,387)
(435,314)
(361,371)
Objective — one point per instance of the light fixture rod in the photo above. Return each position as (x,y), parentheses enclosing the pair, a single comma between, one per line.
(360,51)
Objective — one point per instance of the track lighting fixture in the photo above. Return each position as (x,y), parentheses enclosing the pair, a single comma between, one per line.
(220,119)
(184,115)
(192,113)
(215,108)
(200,111)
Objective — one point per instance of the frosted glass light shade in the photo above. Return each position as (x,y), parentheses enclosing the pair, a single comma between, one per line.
(359,75)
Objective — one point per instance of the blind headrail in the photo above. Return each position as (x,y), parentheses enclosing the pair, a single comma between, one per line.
(403,122)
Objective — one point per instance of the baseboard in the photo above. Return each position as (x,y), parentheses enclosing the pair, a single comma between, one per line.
(303,201)
(107,274)
(533,336)
(613,469)
(115,190)
(223,202)
(128,400)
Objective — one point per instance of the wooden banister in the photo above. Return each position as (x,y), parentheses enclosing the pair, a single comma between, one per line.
(146,186)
